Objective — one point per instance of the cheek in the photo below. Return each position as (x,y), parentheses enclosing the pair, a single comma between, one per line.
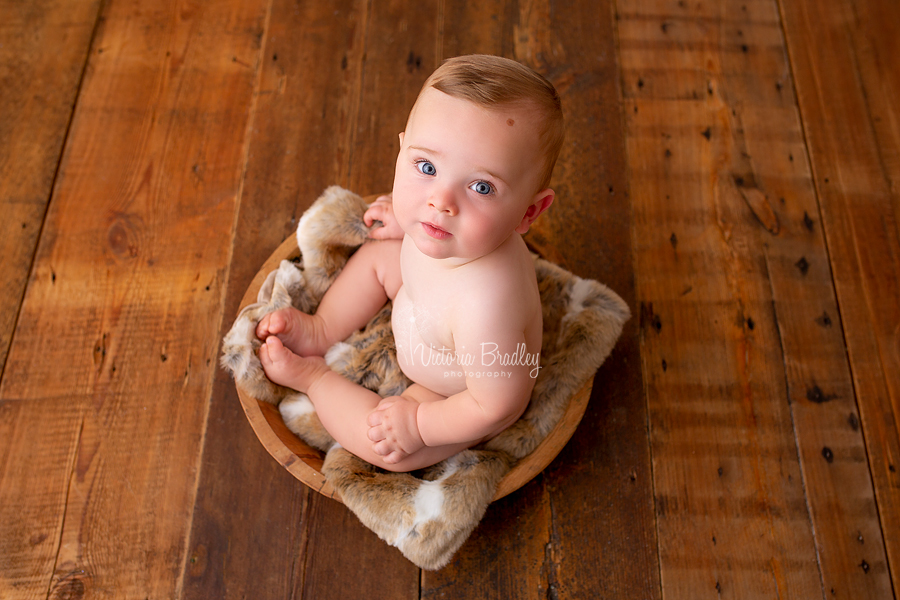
(498,227)
(403,200)
(486,227)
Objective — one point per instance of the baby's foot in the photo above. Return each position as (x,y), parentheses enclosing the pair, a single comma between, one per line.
(296,330)
(288,369)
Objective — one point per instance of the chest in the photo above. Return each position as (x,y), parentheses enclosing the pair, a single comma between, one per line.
(424,307)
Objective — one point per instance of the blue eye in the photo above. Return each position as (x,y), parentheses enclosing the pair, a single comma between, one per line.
(482,187)
(425,167)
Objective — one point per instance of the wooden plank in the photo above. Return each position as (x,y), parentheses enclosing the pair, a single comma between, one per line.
(33,490)
(400,52)
(509,555)
(733,276)
(343,559)
(395,53)
(122,312)
(559,537)
(248,532)
(40,42)
(43,49)
(844,64)
(247,504)
(604,528)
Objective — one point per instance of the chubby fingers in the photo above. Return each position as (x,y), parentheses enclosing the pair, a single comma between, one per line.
(379,234)
(382,446)
(377,429)
(375,417)
(375,212)
(376,433)
(390,454)
(394,457)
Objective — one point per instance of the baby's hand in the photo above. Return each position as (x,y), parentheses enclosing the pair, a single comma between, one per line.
(393,429)
(383,210)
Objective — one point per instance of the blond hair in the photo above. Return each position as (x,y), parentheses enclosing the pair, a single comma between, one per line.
(492,81)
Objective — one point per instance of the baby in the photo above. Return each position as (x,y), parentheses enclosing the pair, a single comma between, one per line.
(472,174)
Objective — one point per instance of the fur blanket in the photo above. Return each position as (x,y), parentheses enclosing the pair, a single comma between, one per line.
(429,514)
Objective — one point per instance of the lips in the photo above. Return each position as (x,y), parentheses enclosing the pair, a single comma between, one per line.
(436,232)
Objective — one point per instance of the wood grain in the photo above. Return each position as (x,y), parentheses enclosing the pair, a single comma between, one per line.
(731,171)
(43,49)
(742,379)
(304,139)
(122,311)
(395,55)
(563,535)
(34,490)
(601,493)
(844,62)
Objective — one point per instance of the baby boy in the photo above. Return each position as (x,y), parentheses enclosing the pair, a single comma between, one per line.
(471,177)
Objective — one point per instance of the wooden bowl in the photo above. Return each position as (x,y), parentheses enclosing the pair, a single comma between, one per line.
(305,462)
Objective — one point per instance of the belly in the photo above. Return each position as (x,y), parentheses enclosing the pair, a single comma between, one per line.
(421,358)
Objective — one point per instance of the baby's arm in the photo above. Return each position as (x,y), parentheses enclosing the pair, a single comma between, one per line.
(383,210)
(343,408)
(393,430)
(495,396)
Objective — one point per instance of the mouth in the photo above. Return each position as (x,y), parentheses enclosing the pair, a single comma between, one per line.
(436,232)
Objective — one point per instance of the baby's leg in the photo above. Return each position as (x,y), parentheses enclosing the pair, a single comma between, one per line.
(368,280)
(288,369)
(344,407)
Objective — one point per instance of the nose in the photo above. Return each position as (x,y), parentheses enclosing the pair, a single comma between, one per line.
(444,200)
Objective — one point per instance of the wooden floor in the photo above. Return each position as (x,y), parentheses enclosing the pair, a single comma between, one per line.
(732,169)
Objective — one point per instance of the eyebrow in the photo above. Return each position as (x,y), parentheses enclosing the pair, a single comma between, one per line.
(422,149)
(490,173)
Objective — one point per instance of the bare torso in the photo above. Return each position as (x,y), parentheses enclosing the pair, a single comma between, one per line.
(435,303)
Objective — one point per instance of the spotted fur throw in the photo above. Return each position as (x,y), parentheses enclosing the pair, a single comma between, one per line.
(428,515)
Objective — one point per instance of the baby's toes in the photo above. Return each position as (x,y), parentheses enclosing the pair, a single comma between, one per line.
(278,363)
(262,328)
(278,322)
(274,351)
(275,323)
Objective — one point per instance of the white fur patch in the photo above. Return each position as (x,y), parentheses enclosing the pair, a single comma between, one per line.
(338,355)
(294,407)
(307,228)
(288,274)
(241,334)
(429,502)
(582,289)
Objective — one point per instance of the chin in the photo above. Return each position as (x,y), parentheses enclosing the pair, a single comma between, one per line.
(434,251)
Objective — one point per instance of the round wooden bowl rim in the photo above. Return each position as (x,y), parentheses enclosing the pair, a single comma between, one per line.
(305,462)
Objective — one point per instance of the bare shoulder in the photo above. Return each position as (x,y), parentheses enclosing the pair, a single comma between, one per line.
(501,291)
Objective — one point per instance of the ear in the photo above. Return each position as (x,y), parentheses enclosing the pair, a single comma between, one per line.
(541,202)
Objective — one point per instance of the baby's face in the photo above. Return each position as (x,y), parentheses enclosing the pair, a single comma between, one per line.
(465,175)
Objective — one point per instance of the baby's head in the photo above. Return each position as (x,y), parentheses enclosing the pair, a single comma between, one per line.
(476,156)
(494,82)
